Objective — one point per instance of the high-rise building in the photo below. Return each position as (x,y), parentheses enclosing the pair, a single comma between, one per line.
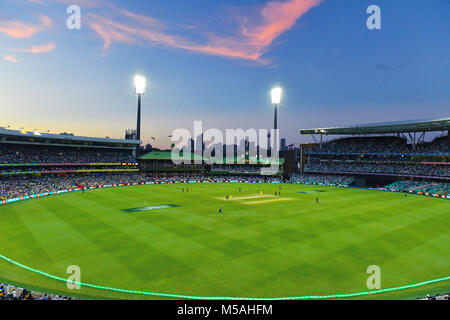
(130,134)
(283,144)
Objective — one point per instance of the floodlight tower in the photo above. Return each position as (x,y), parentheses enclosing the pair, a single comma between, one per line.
(276,99)
(139,89)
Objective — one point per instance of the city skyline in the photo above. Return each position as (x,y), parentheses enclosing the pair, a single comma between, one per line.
(217,63)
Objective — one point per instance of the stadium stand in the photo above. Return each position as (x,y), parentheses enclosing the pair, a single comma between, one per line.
(419,187)
(33,163)
(159,163)
(377,155)
(50,155)
(369,167)
(326,180)
(29,168)
(26,185)
(9,292)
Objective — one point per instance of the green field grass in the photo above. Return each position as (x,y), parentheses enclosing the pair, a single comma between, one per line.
(260,247)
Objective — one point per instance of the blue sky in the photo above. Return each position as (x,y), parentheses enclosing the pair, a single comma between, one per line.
(216,61)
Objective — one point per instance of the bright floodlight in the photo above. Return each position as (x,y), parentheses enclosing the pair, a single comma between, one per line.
(276,95)
(139,84)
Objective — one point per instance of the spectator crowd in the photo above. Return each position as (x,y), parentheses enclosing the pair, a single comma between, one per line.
(34,154)
(379,167)
(237,168)
(9,292)
(383,145)
(430,187)
(17,186)
(327,180)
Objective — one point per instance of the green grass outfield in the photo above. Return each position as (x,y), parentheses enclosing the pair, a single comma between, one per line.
(260,247)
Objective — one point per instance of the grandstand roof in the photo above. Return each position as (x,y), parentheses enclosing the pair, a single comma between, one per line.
(50,139)
(386,127)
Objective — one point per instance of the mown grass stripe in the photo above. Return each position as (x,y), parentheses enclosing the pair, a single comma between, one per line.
(182,296)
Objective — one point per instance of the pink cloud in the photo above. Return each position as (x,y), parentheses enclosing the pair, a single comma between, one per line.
(250,41)
(11,58)
(278,18)
(38,49)
(111,31)
(144,20)
(17,29)
(45,21)
(20,29)
(257,32)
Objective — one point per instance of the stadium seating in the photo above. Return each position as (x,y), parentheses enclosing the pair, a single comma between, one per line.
(379,168)
(20,155)
(383,145)
(327,180)
(420,187)
(381,155)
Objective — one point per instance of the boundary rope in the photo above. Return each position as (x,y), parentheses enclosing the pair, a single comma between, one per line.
(183,296)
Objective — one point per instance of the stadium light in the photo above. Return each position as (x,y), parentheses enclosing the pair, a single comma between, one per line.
(276,95)
(139,84)
(276,99)
(139,88)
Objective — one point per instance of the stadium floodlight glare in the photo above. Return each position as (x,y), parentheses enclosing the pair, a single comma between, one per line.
(139,89)
(139,84)
(276,95)
(276,99)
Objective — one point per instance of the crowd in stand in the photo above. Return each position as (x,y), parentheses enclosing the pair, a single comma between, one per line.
(265,179)
(430,187)
(217,178)
(438,145)
(445,296)
(328,180)
(9,292)
(388,144)
(15,154)
(237,168)
(17,186)
(381,168)
(415,186)
(58,169)
(169,165)
(363,145)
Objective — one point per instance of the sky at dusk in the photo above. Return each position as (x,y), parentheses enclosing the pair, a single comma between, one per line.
(216,61)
